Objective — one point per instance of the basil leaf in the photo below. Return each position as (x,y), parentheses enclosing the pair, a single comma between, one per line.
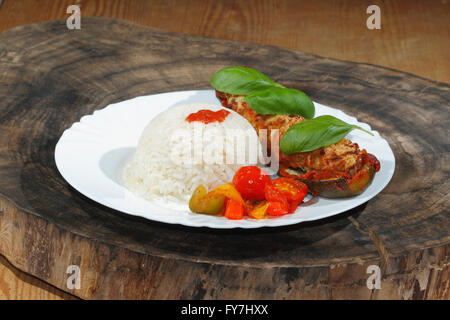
(316,133)
(262,94)
(281,101)
(241,81)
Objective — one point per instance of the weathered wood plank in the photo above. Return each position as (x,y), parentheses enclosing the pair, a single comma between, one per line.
(413,35)
(16,285)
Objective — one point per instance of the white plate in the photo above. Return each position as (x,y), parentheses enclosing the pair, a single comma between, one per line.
(91,153)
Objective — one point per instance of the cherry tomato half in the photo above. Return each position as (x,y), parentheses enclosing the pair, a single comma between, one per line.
(288,192)
(278,202)
(250,182)
(293,189)
(276,209)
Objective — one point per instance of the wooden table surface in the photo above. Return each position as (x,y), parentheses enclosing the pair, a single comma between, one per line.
(413,38)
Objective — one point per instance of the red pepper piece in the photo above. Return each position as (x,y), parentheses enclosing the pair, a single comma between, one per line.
(234,210)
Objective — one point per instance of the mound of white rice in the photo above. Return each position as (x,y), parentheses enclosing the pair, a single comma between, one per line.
(175,156)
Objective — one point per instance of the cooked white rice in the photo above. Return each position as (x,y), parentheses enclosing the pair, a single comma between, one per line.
(170,163)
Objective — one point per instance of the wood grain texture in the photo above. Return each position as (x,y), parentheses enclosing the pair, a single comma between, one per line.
(16,285)
(52,76)
(413,37)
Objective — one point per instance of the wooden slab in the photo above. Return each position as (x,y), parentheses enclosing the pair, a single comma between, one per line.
(51,76)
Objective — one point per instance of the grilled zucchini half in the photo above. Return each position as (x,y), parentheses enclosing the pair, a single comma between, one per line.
(336,187)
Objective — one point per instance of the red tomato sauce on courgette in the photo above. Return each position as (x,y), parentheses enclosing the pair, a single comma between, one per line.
(208,116)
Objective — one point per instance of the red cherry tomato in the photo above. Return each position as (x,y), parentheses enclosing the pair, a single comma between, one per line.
(276,209)
(278,202)
(293,189)
(250,182)
(286,191)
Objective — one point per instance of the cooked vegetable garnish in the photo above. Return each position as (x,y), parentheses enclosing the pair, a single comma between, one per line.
(278,203)
(234,210)
(229,191)
(252,193)
(284,195)
(206,203)
(259,211)
(250,182)
(294,190)
(315,133)
(277,209)
(262,94)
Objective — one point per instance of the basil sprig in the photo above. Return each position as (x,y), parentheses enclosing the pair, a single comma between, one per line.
(262,94)
(265,96)
(316,133)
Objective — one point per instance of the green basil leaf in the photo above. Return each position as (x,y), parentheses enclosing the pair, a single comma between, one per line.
(316,133)
(281,101)
(241,81)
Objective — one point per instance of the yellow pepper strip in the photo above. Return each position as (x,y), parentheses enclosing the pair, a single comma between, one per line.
(259,211)
(227,190)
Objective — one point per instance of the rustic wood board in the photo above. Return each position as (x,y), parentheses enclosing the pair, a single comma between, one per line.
(51,76)
(413,35)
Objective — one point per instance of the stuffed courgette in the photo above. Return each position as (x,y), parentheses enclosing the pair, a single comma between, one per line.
(338,170)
